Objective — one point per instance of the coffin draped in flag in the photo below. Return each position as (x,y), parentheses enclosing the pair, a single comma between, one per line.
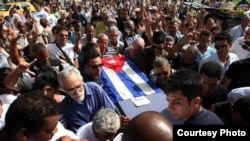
(123,80)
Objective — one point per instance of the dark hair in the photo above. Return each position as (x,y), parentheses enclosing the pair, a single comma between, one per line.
(223,36)
(205,33)
(211,69)
(46,75)
(124,10)
(55,29)
(159,37)
(44,22)
(39,2)
(61,28)
(242,105)
(29,24)
(90,54)
(187,81)
(89,46)
(215,28)
(208,16)
(29,111)
(39,47)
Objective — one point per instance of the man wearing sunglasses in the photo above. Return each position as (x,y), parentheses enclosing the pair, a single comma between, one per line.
(161,71)
(92,67)
(150,53)
(223,42)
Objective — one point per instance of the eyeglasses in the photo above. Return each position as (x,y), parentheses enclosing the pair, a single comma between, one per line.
(222,46)
(95,67)
(162,73)
(77,88)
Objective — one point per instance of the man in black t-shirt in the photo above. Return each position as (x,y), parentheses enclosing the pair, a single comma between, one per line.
(213,91)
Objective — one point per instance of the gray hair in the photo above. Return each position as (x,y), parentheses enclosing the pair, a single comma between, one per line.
(169,38)
(113,29)
(102,35)
(160,61)
(106,120)
(65,73)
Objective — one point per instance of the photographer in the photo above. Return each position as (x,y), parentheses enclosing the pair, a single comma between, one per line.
(241,47)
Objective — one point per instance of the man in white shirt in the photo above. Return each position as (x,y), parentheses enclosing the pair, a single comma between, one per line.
(223,43)
(238,47)
(61,41)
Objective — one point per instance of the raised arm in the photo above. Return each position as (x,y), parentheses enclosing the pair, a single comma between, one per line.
(12,78)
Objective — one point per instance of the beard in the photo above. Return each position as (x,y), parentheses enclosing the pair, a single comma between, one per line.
(79,97)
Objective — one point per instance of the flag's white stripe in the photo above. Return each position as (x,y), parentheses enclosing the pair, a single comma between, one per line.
(147,90)
(118,84)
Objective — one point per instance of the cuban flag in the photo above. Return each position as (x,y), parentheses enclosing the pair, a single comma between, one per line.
(123,80)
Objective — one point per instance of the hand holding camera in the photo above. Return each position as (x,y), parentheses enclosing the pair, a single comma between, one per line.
(246,45)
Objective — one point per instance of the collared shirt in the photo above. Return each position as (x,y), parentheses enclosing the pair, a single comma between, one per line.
(118,47)
(232,58)
(177,38)
(236,32)
(110,52)
(238,50)
(75,114)
(210,51)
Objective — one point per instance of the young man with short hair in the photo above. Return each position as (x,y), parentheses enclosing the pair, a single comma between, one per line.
(184,91)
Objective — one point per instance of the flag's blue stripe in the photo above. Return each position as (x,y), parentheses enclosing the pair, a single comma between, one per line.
(109,88)
(134,89)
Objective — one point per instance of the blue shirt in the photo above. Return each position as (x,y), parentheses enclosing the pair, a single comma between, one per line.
(210,51)
(204,117)
(75,114)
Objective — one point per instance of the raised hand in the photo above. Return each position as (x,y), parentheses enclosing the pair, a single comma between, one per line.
(12,36)
(24,66)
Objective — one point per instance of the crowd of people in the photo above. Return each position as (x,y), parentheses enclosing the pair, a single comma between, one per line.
(51,85)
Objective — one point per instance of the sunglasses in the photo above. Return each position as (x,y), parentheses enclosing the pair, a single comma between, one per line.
(95,67)
(162,73)
(222,46)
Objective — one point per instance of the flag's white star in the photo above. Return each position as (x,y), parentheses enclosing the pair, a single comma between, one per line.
(112,61)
